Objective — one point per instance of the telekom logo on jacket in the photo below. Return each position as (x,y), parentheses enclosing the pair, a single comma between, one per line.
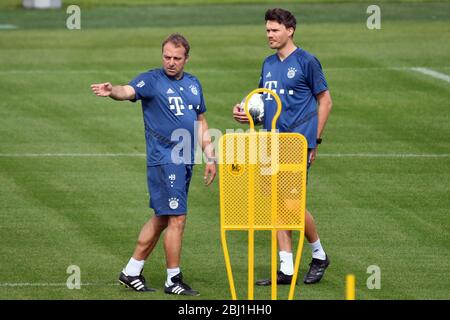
(273,85)
(176,103)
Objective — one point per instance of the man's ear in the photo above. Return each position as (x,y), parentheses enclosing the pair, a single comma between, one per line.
(291,32)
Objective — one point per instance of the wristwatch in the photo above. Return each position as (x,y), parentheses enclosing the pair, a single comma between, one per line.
(319,140)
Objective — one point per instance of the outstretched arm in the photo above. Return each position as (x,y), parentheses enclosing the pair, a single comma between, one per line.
(106,89)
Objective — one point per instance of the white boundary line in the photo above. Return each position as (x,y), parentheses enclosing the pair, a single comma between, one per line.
(382,155)
(432,73)
(7,26)
(56,155)
(325,155)
(45,284)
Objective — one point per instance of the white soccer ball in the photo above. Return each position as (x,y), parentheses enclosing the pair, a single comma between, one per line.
(255,107)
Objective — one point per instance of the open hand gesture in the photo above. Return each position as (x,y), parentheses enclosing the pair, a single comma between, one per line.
(102,89)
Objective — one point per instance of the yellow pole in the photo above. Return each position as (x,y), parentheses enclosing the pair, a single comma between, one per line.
(251,264)
(251,217)
(274,264)
(297,263)
(274,203)
(222,227)
(350,287)
(228,265)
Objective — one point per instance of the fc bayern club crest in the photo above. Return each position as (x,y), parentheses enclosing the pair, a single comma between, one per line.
(291,72)
(194,89)
(173,203)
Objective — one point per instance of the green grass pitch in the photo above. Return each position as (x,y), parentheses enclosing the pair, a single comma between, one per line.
(379,189)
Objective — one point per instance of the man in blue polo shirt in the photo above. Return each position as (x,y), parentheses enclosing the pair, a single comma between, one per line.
(297,77)
(172,104)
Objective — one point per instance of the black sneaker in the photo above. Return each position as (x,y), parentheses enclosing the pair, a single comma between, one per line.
(281,279)
(179,287)
(316,270)
(137,283)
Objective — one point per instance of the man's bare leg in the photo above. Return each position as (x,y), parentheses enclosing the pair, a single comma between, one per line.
(285,236)
(173,240)
(147,240)
(172,246)
(149,236)
(285,243)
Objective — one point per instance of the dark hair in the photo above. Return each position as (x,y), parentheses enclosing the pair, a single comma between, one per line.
(179,41)
(282,17)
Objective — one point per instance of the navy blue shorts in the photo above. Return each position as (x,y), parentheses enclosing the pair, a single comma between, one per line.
(168,185)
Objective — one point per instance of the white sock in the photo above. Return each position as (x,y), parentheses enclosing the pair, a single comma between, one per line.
(171,273)
(317,250)
(286,263)
(134,267)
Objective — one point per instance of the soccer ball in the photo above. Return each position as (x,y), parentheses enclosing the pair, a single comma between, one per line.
(255,107)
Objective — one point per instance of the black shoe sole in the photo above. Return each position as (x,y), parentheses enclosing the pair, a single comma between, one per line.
(182,294)
(312,282)
(267,282)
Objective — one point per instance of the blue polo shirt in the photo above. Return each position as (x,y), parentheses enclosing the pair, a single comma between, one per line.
(169,105)
(297,80)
